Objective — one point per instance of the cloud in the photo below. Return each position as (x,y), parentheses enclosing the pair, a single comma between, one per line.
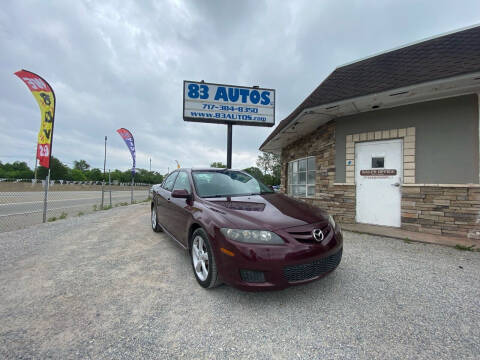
(122,64)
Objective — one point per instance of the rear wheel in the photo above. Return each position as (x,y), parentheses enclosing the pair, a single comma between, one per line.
(203,260)
(155,226)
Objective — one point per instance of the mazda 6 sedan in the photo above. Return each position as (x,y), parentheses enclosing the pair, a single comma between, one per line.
(240,232)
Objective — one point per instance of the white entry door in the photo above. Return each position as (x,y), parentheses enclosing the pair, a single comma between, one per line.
(378,176)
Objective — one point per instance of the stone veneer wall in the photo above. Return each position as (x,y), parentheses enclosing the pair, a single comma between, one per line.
(442,210)
(436,209)
(338,200)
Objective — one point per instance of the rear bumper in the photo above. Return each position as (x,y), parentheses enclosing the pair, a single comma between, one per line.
(282,265)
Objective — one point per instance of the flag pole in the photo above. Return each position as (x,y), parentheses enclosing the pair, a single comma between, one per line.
(131,193)
(45,197)
(103,180)
(36,163)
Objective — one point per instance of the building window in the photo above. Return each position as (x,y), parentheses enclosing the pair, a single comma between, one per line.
(378,162)
(301,177)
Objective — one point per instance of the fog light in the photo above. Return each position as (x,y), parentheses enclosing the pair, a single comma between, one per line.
(252,276)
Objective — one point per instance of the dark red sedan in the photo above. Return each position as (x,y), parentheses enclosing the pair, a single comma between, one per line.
(240,232)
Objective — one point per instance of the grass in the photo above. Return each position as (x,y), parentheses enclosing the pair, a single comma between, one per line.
(465,248)
(95,207)
(52,219)
(107,207)
(80,213)
(407,241)
(63,215)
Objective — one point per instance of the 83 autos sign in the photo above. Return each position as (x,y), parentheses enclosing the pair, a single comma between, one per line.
(228,104)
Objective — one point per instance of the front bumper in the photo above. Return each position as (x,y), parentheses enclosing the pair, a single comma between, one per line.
(282,265)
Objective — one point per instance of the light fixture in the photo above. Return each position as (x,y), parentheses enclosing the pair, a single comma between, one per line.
(399,93)
(331,107)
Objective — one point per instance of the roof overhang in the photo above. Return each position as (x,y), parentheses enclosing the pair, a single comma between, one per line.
(311,118)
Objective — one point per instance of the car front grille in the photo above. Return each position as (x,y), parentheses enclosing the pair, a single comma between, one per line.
(303,235)
(314,269)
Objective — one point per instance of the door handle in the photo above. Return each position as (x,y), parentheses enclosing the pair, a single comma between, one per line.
(397,184)
(168,199)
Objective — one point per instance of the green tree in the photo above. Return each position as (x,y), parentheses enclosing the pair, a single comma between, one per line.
(15,170)
(218,164)
(270,164)
(95,175)
(81,165)
(77,175)
(58,170)
(255,172)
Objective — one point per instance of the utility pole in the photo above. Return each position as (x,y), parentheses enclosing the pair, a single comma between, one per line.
(110,186)
(229,146)
(150,164)
(104,165)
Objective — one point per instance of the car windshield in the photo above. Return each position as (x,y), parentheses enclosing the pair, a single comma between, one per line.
(221,183)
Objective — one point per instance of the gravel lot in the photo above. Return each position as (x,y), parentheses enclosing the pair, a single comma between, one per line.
(105,286)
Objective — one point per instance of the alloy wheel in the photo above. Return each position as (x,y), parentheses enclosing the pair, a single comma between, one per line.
(200,258)
(154,218)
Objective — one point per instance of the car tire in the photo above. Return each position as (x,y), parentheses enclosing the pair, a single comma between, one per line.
(201,254)
(155,225)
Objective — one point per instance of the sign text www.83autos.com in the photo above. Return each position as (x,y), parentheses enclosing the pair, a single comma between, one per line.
(215,103)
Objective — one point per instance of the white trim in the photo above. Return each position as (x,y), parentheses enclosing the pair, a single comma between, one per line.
(410,44)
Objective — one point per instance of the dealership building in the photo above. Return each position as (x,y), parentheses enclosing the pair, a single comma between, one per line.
(392,139)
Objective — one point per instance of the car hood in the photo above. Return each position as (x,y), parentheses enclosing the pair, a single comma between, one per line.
(268,212)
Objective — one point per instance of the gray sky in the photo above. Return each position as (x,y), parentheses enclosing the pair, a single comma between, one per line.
(122,64)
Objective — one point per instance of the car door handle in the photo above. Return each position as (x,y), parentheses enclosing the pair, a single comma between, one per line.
(168,199)
(397,184)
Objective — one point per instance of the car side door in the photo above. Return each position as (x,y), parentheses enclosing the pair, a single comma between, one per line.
(162,201)
(181,208)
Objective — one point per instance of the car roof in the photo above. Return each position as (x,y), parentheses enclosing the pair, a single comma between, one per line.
(207,169)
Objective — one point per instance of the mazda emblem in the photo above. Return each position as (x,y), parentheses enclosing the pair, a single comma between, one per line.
(318,235)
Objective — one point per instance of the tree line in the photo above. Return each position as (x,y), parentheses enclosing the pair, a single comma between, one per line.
(81,171)
(269,163)
(267,170)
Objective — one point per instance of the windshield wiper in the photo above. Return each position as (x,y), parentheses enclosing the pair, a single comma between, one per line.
(229,195)
(215,196)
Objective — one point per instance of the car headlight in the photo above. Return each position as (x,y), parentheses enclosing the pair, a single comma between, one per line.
(331,221)
(252,236)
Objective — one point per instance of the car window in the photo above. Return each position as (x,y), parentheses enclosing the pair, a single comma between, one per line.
(168,184)
(227,183)
(182,182)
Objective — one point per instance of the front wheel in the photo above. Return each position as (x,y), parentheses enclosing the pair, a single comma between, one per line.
(155,226)
(203,260)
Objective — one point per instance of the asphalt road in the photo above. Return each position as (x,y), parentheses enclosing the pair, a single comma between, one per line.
(21,209)
(105,286)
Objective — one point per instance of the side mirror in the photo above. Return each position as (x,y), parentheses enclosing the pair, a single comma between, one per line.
(182,194)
